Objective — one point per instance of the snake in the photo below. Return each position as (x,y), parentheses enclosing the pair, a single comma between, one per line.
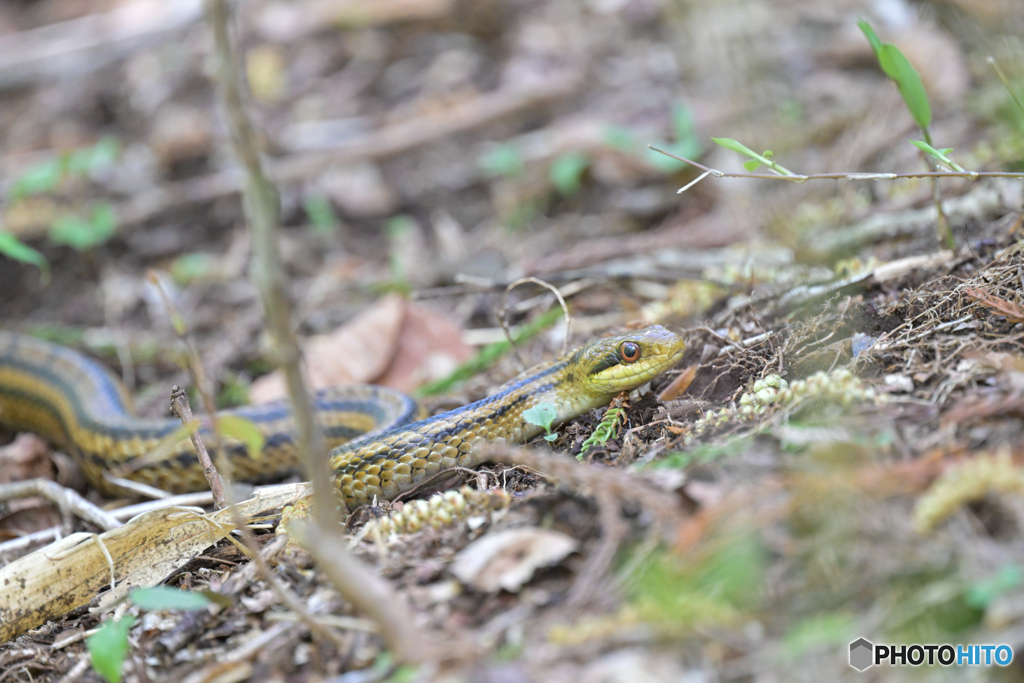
(379,447)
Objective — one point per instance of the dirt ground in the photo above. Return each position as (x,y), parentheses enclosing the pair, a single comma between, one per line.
(845,458)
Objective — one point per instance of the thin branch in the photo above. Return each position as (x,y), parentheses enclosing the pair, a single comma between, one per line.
(183,411)
(504,310)
(357,583)
(971,175)
(261,210)
(64,498)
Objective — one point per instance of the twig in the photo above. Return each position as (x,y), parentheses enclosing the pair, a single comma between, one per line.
(609,486)
(67,500)
(371,595)
(971,175)
(183,411)
(504,310)
(261,210)
(1009,310)
(199,378)
(357,583)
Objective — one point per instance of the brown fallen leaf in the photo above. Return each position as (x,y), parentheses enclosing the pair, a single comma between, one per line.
(430,347)
(680,384)
(356,353)
(1011,311)
(507,559)
(27,457)
(394,343)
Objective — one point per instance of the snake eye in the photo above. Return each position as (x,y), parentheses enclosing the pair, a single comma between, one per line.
(629,352)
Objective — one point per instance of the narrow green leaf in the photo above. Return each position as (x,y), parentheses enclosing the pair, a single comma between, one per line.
(167,598)
(941,154)
(109,646)
(167,446)
(908,82)
(542,415)
(736,146)
(243,430)
(13,248)
(869,33)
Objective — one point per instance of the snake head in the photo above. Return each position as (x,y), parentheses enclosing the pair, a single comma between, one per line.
(611,365)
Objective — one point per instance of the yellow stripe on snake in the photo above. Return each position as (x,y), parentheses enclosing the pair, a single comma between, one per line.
(378,450)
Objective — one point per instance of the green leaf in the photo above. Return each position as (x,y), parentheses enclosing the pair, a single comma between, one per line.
(321,214)
(620,138)
(682,122)
(751,165)
(488,355)
(109,646)
(89,159)
(940,154)
(189,268)
(542,415)
(981,594)
(869,33)
(242,430)
(81,234)
(550,437)
(736,146)
(167,598)
(13,248)
(504,160)
(566,171)
(908,81)
(43,177)
(816,632)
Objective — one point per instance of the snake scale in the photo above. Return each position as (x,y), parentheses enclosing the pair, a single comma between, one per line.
(379,449)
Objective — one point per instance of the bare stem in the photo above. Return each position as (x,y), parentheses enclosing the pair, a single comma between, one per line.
(261,210)
(183,411)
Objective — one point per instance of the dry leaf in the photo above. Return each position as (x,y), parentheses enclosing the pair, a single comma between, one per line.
(27,457)
(430,347)
(68,573)
(356,353)
(507,559)
(394,343)
(1009,310)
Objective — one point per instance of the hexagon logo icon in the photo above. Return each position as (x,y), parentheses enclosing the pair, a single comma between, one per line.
(861,654)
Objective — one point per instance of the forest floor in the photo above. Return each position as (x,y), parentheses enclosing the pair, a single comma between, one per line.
(846,457)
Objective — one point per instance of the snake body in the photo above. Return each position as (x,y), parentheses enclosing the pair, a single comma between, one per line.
(378,450)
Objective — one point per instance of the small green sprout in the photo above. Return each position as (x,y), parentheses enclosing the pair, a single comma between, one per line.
(542,415)
(321,214)
(940,155)
(566,172)
(609,426)
(109,646)
(756,160)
